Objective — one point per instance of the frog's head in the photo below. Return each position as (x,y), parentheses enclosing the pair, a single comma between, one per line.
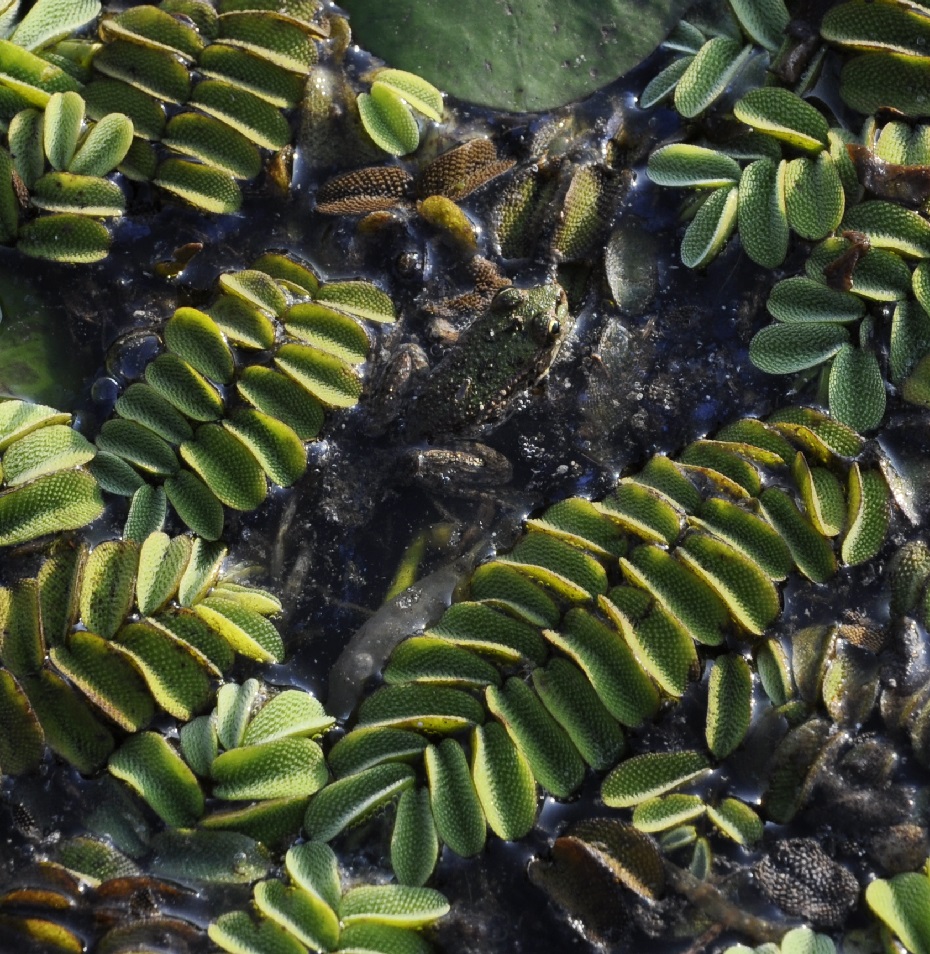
(541,312)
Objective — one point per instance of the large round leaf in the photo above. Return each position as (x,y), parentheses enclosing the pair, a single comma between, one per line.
(523,55)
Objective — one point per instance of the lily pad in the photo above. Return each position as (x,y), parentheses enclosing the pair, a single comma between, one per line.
(492,54)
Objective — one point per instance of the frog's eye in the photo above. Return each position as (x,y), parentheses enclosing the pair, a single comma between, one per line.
(507,299)
(555,328)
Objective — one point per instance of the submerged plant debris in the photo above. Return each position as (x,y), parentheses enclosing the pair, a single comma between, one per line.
(414,534)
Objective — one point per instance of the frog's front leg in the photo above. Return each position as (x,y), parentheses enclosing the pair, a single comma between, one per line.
(392,383)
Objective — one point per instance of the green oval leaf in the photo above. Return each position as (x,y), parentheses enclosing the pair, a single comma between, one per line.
(588,46)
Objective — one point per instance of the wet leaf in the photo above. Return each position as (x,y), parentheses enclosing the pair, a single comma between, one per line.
(729,704)
(887,225)
(869,515)
(814,197)
(460,822)
(243,324)
(400,905)
(61,501)
(328,330)
(270,38)
(504,782)
(663,646)
(246,631)
(302,914)
(857,390)
(109,680)
(110,97)
(431,660)
(64,115)
(290,713)
(709,74)
(610,666)
(736,820)
(414,842)
(65,237)
(237,933)
(764,21)
(187,389)
(710,228)
(196,338)
(667,811)
(811,552)
(349,801)
(151,26)
(568,570)
(233,711)
(365,747)
(415,706)
(746,532)
(787,348)
(149,764)
(326,377)
(44,451)
(388,120)
(683,595)
(314,868)
(780,113)
(685,165)
(282,768)
(204,187)
(803,299)
(273,444)
(152,71)
(422,96)
(226,466)
(50,20)
(201,572)
(552,756)
(70,728)
(256,119)
(663,84)
(479,627)
(761,212)
(876,80)
(582,523)
(177,676)
(147,511)
(237,67)
(195,504)
(885,27)
(646,776)
(571,700)
(220,857)
(144,405)
(603,34)
(903,904)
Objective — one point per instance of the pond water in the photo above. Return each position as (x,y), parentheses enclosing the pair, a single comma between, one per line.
(649,373)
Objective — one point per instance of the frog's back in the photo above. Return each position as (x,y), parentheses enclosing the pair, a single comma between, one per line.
(502,352)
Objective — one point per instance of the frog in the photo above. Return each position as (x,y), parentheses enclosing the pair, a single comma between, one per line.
(505,350)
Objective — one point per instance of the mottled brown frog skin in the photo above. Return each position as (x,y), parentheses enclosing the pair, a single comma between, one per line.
(502,352)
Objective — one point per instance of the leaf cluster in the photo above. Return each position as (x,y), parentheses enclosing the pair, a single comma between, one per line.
(238,390)
(120,631)
(795,174)
(599,613)
(233,69)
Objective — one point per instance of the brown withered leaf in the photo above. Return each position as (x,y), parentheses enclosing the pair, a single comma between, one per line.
(488,281)
(371,189)
(839,273)
(909,185)
(458,172)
